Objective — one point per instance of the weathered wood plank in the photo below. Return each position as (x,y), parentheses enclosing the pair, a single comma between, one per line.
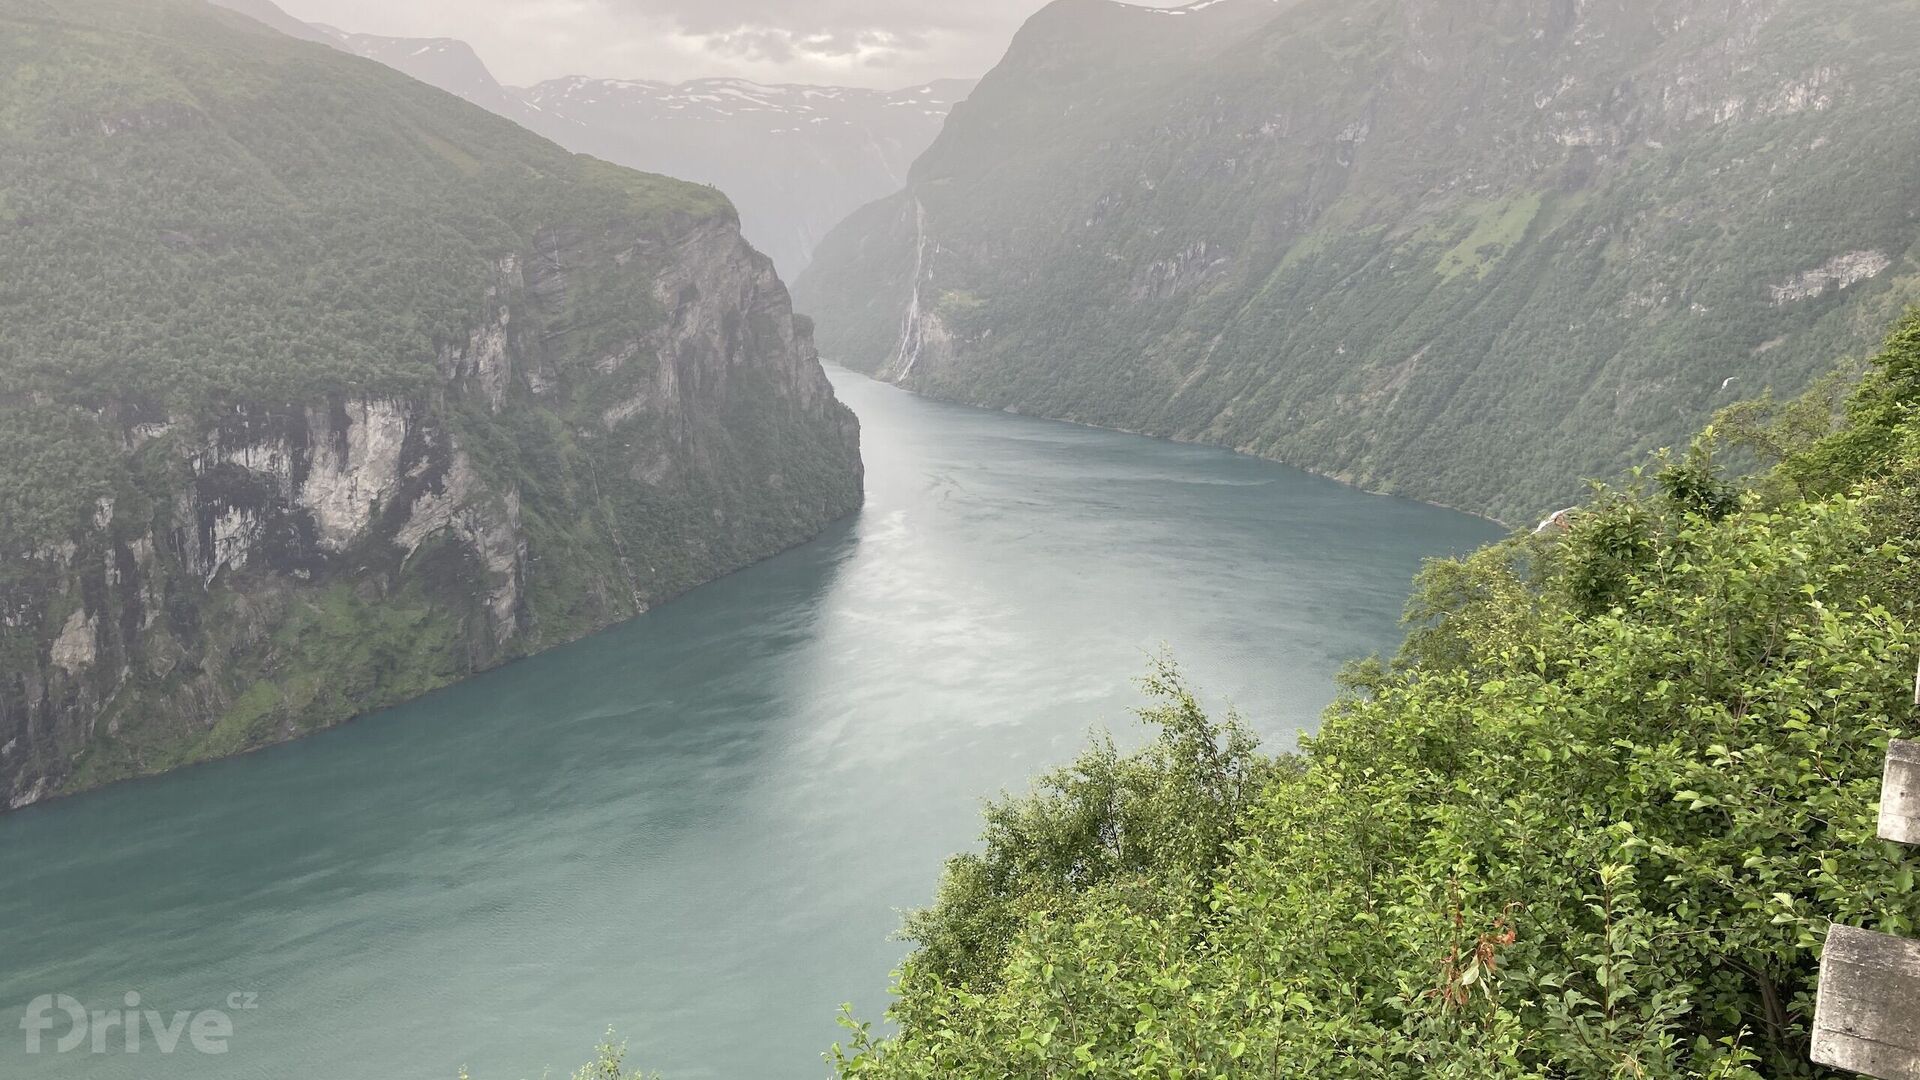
(1900,794)
(1867,1019)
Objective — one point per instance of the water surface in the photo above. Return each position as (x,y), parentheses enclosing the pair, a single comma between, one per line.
(698,827)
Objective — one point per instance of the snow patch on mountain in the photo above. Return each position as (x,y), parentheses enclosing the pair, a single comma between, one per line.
(1188,9)
(779,108)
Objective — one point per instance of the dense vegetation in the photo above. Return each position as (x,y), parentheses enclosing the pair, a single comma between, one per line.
(1466,252)
(1594,821)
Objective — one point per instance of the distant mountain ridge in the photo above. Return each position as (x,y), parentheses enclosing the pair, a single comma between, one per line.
(1469,251)
(794,159)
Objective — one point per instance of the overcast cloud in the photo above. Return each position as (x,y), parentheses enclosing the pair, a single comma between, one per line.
(880,43)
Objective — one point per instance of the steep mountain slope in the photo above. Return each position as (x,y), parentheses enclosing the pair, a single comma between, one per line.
(266,11)
(1465,251)
(796,160)
(451,65)
(322,388)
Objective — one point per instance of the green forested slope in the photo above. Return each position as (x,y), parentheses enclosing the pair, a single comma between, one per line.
(196,212)
(1593,822)
(321,388)
(1469,252)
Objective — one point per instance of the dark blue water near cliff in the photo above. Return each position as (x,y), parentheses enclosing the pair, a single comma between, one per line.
(697,828)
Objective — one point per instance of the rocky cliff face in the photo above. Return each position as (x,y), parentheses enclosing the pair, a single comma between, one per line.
(1471,252)
(223,614)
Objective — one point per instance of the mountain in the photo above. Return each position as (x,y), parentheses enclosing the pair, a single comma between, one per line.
(451,65)
(796,160)
(323,388)
(1469,251)
(266,11)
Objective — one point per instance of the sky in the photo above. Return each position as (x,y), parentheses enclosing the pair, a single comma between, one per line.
(879,43)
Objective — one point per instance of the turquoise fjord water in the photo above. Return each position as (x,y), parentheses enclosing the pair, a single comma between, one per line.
(698,828)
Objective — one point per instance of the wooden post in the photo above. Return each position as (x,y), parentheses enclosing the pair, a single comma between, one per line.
(1900,798)
(1867,1017)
